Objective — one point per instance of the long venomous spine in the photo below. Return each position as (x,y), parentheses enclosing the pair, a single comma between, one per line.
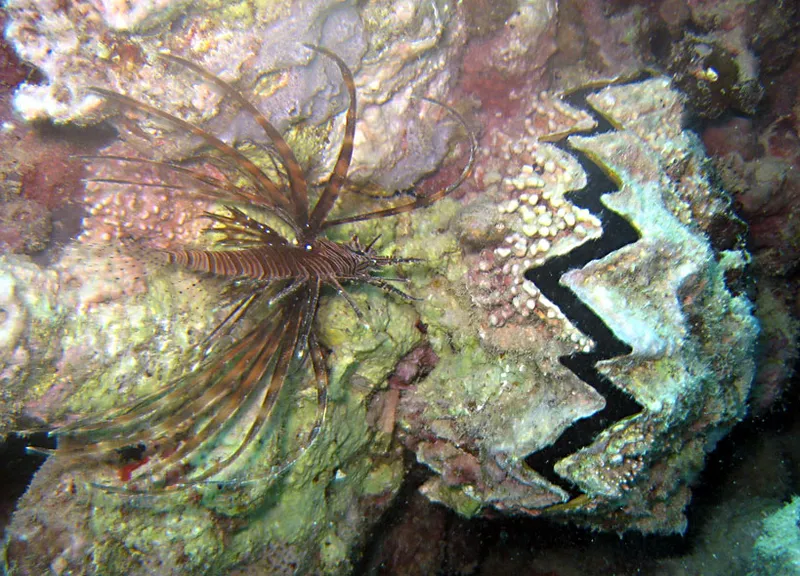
(267,272)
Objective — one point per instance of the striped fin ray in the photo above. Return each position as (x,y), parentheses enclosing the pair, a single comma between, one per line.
(420,201)
(297,180)
(118,428)
(194,413)
(271,198)
(213,188)
(260,386)
(239,227)
(331,192)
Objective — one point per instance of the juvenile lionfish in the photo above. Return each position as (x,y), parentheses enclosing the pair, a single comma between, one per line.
(276,280)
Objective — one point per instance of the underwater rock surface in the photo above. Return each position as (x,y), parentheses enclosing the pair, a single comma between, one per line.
(81,344)
(93,328)
(394,52)
(777,550)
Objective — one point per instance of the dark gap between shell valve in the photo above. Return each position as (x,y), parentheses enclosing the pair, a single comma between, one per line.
(616,233)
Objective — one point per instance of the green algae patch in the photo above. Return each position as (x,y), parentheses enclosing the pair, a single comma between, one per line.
(383,478)
(29,316)
(456,499)
(376,344)
(139,353)
(189,530)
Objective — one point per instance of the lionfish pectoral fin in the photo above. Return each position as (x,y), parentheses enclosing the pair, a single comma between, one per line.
(40,451)
(331,192)
(420,201)
(320,379)
(271,197)
(237,312)
(238,224)
(291,288)
(297,181)
(267,375)
(250,373)
(321,385)
(237,388)
(143,422)
(198,419)
(218,189)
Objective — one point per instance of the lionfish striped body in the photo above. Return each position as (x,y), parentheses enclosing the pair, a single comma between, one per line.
(276,284)
(323,259)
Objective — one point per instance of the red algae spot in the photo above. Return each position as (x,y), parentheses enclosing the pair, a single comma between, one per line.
(54,178)
(416,364)
(12,71)
(782,141)
(43,184)
(511,59)
(128,469)
(125,57)
(736,135)
(41,177)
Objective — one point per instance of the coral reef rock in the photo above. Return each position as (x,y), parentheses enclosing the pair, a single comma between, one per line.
(777,550)
(716,74)
(79,335)
(617,282)
(78,340)
(258,48)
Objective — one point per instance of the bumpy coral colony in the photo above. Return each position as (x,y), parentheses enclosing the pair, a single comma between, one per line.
(268,246)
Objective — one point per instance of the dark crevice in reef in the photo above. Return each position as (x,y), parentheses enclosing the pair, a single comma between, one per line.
(17,467)
(617,232)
